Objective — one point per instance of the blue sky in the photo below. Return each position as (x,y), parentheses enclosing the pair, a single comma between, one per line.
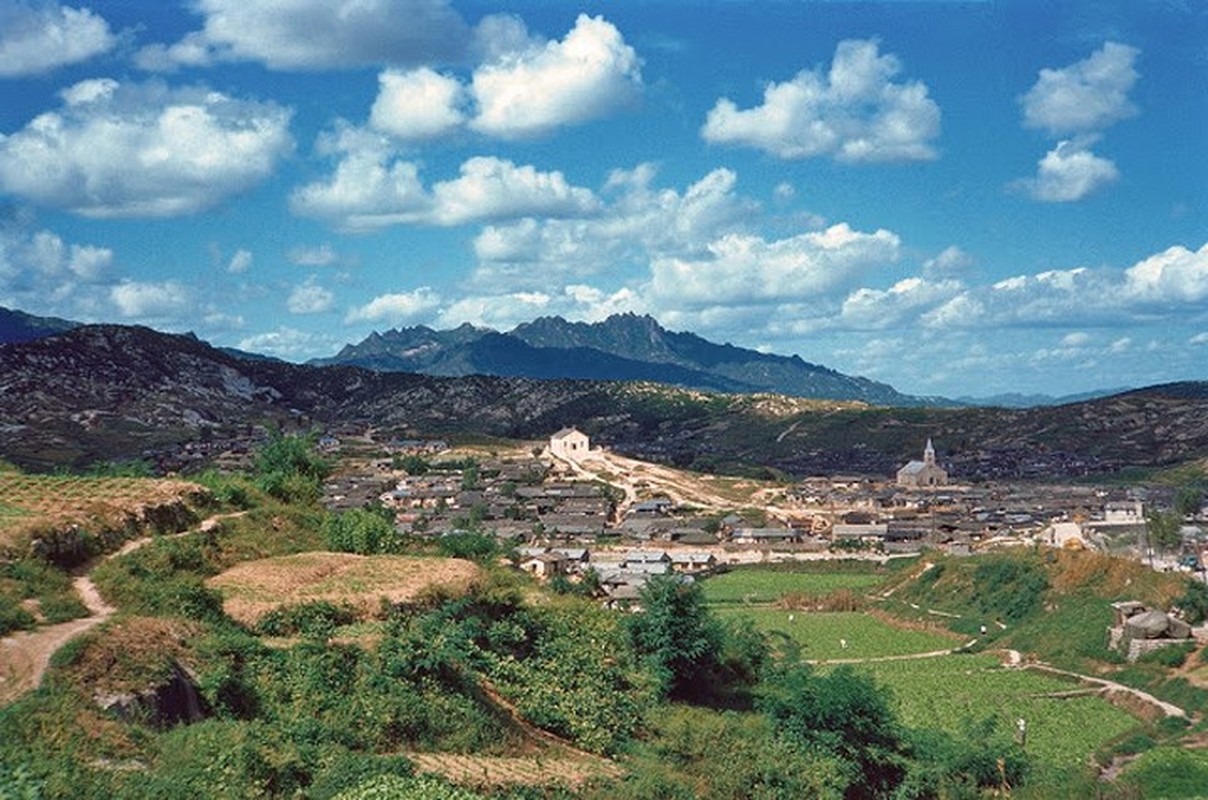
(958,198)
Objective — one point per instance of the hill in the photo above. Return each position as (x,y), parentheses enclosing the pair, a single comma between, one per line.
(17,326)
(624,347)
(99,393)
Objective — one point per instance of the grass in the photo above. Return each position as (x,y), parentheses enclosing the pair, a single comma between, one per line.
(1169,772)
(752,586)
(946,692)
(252,589)
(820,634)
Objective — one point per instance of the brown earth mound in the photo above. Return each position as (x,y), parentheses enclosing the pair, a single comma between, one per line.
(254,588)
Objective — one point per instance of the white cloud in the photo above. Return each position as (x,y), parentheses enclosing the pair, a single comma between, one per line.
(745,269)
(1199,338)
(41,273)
(950,262)
(588,74)
(1069,172)
(287,343)
(640,222)
(309,298)
(855,113)
(395,308)
(37,38)
(319,256)
(1176,275)
(240,263)
(900,304)
(318,34)
(419,104)
(1121,345)
(129,150)
(1076,339)
(370,188)
(500,36)
(147,301)
(1089,95)
(492,188)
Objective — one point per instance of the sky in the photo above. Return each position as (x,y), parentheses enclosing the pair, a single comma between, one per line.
(956,198)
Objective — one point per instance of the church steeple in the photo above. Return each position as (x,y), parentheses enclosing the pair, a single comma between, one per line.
(929,453)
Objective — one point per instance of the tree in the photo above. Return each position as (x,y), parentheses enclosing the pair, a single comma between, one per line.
(1188,501)
(843,713)
(289,468)
(360,530)
(1163,528)
(676,635)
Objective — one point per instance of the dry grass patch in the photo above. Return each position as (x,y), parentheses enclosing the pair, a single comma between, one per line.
(31,502)
(132,653)
(254,588)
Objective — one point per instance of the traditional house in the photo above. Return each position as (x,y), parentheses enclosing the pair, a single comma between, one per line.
(925,473)
(569,444)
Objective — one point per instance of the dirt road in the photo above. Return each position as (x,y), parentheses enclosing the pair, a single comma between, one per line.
(25,656)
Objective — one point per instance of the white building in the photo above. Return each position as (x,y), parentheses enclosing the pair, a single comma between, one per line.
(925,473)
(569,444)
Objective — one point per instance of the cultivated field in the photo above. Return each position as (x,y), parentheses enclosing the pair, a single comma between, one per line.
(948,691)
(761,586)
(254,588)
(488,772)
(821,635)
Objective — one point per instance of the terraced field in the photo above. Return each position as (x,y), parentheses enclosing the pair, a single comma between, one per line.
(755,586)
(945,692)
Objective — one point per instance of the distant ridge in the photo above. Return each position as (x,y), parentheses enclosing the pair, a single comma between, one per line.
(624,347)
(17,326)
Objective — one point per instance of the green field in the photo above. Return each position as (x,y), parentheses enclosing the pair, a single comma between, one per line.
(820,634)
(755,585)
(944,692)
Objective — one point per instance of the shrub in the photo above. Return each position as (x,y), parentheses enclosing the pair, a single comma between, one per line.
(362,531)
(316,620)
(1008,587)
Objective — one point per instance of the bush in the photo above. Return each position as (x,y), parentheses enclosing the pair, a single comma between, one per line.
(360,530)
(316,620)
(1008,587)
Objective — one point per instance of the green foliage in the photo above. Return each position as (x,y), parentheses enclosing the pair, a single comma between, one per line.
(980,755)
(759,584)
(675,635)
(1009,588)
(1163,529)
(1171,657)
(18,783)
(317,620)
(34,579)
(290,469)
(474,546)
(1194,602)
(1188,501)
(1169,772)
(844,714)
(120,469)
(420,787)
(412,464)
(361,530)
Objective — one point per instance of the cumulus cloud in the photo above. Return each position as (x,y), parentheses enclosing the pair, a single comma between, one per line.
(143,150)
(309,298)
(287,343)
(372,188)
(900,304)
(1176,275)
(318,34)
(1089,95)
(1199,338)
(493,188)
(140,300)
(419,104)
(951,262)
(1069,172)
(40,271)
(240,263)
(637,223)
(37,38)
(746,269)
(396,308)
(854,112)
(584,76)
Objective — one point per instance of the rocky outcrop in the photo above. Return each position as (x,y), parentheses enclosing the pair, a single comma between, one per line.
(171,702)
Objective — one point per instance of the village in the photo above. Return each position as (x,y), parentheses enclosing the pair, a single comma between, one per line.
(564,508)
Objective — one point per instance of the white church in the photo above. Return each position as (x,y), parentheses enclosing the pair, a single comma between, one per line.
(923,474)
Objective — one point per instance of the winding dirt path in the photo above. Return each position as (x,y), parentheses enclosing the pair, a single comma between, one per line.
(1015,659)
(25,655)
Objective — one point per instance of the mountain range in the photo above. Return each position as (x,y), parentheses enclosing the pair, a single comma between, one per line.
(625,347)
(108,392)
